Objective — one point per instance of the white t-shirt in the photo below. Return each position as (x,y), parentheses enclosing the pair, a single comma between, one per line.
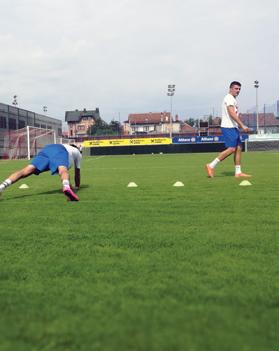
(227,121)
(74,156)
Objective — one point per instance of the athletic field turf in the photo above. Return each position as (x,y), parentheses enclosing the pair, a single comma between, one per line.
(152,268)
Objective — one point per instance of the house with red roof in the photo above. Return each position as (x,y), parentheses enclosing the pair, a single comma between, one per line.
(154,123)
(268,123)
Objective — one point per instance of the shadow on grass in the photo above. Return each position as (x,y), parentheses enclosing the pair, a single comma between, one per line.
(222,175)
(226,174)
(49,192)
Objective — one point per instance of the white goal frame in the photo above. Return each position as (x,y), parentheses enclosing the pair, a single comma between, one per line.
(23,143)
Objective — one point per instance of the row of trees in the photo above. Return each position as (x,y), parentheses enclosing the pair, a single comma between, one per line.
(103,128)
(196,122)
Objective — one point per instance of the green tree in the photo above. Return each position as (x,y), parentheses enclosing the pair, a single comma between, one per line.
(190,121)
(115,127)
(103,128)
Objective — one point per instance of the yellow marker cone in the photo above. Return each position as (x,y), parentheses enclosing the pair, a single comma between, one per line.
(23,186)
(178,183)
(132,185)
(245,183)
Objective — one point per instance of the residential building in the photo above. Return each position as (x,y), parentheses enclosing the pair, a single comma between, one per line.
(185,128)
(215,127)
(80,121)
(151,123)
(268,123)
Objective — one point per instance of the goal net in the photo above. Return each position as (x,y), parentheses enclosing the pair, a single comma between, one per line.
(62,140)
(266,142)
(26,142)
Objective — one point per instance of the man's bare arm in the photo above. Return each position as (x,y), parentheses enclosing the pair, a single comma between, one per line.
(77,177)
(235,117)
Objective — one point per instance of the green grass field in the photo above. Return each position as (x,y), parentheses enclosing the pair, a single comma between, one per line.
(153,268)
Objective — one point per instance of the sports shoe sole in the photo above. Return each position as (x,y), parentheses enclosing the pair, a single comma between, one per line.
(71,196)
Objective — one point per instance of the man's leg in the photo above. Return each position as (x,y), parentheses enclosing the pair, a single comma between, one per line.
(237,155)
(65,179)
(230,136)
(224,154)
(14,177)
(237,163)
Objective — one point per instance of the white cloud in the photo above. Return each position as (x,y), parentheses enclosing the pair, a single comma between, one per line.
(120,56)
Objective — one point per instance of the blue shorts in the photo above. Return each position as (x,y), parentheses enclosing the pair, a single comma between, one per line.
(50,158)
(231,137)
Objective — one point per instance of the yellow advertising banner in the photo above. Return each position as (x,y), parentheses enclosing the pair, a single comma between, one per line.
(126,142)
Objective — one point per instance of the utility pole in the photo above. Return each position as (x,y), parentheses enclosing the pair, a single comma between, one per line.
(170,93)
(256,85)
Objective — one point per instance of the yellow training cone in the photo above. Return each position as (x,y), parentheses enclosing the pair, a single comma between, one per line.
(245,183)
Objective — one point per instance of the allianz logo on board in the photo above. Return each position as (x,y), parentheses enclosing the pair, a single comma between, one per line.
(206,138)
(187,140)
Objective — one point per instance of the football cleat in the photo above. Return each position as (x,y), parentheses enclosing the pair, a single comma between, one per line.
(244,175)
(71,196)
(210,171)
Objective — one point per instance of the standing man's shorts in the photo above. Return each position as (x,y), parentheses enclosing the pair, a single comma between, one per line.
(50,158)
(231,137)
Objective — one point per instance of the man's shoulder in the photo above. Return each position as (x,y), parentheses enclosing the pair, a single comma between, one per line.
(71,149)
(67,147)
(229,99)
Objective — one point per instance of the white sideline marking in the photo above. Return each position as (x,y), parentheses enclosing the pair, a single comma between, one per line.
(92,158)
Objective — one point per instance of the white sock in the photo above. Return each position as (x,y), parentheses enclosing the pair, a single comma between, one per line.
(5,184)
(214,163)
(237,169)
(66,183)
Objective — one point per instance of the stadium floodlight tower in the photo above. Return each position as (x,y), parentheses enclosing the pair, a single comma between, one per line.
(45,108)
(170,93)
(15,103)
(256,85)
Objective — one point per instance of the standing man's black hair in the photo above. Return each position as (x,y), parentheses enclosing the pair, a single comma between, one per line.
(235,83)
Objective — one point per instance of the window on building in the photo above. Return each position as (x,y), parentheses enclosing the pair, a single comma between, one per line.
(81,127)
(31,119)
(3,107)
(59,131)
(21,124)
(43,126)
(22,113)
(49,127)
(12,123)
(3,123)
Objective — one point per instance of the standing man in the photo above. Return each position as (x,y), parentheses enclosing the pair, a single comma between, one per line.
(230,128)
(55,158)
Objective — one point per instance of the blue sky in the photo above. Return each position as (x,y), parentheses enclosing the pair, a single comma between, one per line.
(121,55)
